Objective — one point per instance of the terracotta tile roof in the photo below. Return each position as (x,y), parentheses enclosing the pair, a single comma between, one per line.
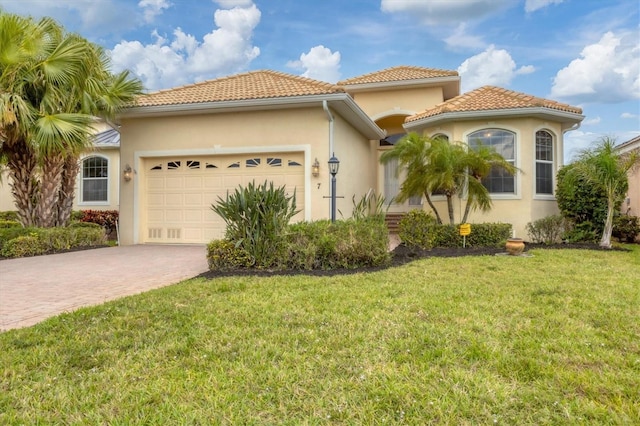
(489,98)
(400,73)
(251,85)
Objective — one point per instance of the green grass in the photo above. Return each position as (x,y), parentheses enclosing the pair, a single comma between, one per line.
(550,339)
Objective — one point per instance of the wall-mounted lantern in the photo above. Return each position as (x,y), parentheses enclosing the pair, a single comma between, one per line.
(127,173)
(315,168)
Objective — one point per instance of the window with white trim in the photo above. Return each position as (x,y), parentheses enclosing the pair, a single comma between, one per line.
(503,142)
(544,163)
(95,180)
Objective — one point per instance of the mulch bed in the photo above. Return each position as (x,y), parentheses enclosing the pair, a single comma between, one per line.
(400,256)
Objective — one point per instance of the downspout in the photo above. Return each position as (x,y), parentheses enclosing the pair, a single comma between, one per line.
(332,179)
(330,116)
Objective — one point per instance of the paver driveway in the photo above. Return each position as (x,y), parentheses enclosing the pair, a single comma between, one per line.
(35,288)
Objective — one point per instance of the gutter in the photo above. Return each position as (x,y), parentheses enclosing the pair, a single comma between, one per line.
(556,115)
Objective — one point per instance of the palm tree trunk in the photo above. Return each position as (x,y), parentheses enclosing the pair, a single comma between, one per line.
(67,190)
(433,207)
(24,185)
(467,210)
(608,226)
(450,208)
(51,176)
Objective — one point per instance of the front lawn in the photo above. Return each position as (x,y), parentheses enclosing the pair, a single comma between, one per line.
(548,339)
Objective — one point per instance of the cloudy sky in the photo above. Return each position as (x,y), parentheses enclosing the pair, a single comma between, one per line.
(582,52)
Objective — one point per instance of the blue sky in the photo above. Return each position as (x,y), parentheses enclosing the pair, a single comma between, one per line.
(582,52)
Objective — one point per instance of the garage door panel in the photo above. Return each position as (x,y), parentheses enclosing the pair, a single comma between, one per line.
(174,182)
(193,182)
(193,199)
(174,215)
(179,192)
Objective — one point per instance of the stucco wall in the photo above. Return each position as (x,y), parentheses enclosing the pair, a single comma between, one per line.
(524,206)
(302,129)
(401,101)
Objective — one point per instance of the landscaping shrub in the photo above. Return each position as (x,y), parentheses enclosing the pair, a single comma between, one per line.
(584,204)
(224,255)
(49,240)
(23,246)
(56,239)
(548,230)
(345,244)
(9,224)
(416,229)
(8,234)
(626,228)
(420,229)
(256,217)
(105,218)
(370,206)
(9,215)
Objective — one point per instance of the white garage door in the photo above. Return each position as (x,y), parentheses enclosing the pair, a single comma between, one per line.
(179,192)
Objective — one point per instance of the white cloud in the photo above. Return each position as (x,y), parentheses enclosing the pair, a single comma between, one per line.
(153,8)
(99,17)
(626,115)
(319,63)
(460,39)
(225,50)
(591,121)
(577,141)
(533,5)
(438,12)
(526,69)
(607,71)
(492,67)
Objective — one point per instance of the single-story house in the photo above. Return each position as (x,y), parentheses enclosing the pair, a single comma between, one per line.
(631,203)
(190,145)
(97,184)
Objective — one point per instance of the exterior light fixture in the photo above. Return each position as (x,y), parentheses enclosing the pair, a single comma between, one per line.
(334,165)
(127,173)
(315,168)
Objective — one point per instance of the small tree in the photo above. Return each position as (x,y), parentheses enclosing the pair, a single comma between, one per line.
(582,203)
(607,170)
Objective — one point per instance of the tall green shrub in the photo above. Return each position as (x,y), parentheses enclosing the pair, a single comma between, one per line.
(583,203)
(256,217)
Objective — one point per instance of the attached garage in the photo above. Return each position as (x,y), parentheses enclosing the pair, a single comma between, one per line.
(188,146)
(179,191)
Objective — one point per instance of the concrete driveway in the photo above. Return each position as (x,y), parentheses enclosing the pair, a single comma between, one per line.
(35,288)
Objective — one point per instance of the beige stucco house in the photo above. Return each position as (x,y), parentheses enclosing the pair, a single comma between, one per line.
(189,145)
(631,204)
(97,183)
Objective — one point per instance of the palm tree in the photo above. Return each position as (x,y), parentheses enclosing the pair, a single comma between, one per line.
(479,162)
(412,153)
(437,165)
(52,85)
(605,168)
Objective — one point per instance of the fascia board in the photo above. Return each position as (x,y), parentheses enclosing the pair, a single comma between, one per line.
(547,113)
(423,82)
(228,106)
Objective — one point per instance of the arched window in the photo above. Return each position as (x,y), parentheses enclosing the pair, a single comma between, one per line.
(544,163)
(504,142)
(95,180)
